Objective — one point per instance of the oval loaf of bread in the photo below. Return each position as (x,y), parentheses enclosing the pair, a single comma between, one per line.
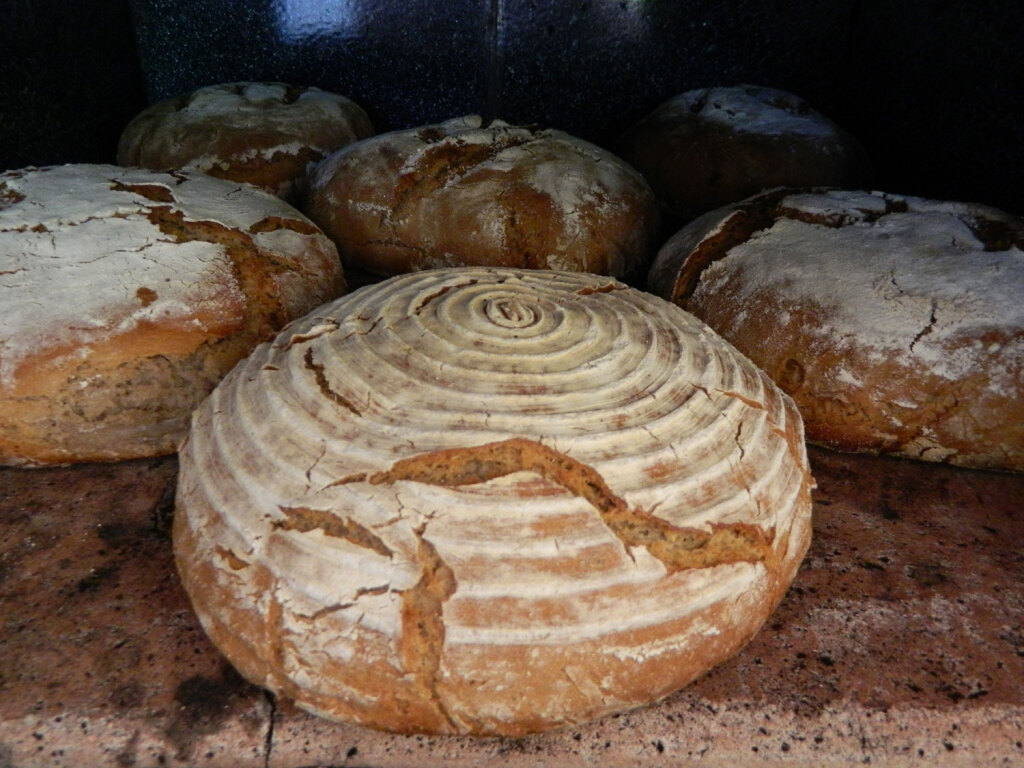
(267,134)
(489,501)
(127,294)
(713,146)
(464,194)
(896,323)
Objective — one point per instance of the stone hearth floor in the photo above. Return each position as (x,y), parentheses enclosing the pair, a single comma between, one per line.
(901,643)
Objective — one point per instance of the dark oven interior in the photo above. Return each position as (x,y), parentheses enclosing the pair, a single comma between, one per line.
(934,89)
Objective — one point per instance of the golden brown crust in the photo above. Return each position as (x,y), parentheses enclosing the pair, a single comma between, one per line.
(893,322)
(461,194)
(267,134)
(712,146)
(138,297)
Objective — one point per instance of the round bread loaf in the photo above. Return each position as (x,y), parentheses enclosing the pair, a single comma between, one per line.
(489,501)
(712,146)
(464,194)
(127,294)
(267,134)
(896,323)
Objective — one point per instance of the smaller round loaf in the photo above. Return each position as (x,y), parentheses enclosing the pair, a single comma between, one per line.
(895,323)
(712,146)
(465,194)
(267,134)
(127,294)
(489,501)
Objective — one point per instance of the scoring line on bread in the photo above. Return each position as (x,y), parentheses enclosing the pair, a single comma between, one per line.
(422,605)
(676,547)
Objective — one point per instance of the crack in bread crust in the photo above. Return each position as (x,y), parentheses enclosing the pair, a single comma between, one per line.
(325,386)
(304,520)
(442,162)
(155,192)
(607,288)
(254,268)
(422,605)
(422,611)
(747,218)
(677,548)
(423,629)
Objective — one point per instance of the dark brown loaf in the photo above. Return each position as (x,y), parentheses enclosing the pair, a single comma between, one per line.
(712,146)
(896,323)
(463,194)
(127,294)
(267,134)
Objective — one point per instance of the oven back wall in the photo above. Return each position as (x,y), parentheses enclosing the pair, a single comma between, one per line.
(934,88)
(69,80)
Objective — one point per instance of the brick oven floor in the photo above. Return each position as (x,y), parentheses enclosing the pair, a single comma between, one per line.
(901,642)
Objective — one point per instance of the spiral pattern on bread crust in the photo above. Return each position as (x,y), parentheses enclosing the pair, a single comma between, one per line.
(490,501)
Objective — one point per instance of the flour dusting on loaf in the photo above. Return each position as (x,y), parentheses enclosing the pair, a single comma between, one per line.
(103,269)
(264,133)
(461,193)
(489,501)
(896,322)
(708,147)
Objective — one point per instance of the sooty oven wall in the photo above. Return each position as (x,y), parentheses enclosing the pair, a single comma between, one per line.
(934,88)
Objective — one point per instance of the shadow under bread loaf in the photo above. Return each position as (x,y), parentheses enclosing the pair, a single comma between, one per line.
(895,323)
(129,293)
(489,501)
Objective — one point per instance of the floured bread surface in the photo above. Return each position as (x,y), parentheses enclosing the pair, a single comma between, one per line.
(489,501)
(267,134)
(465,194)
(896,323)
(127,294)
(712,146)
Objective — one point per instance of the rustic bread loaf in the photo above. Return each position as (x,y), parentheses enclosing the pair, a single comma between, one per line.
(464,194)
(712,146)
(127,294)
(267,134)
(489,501)
(896,323)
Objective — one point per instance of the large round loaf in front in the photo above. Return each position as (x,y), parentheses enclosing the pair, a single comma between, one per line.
(127,294)
(461,193)
(896,323)
(489,501)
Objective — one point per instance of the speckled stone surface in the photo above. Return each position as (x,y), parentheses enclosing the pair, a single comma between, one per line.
(933,89)
(899,644)
(589,68)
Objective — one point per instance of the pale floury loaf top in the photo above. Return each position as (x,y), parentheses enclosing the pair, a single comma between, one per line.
(896,322)
(490,501)
(84,255)
(106,271)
